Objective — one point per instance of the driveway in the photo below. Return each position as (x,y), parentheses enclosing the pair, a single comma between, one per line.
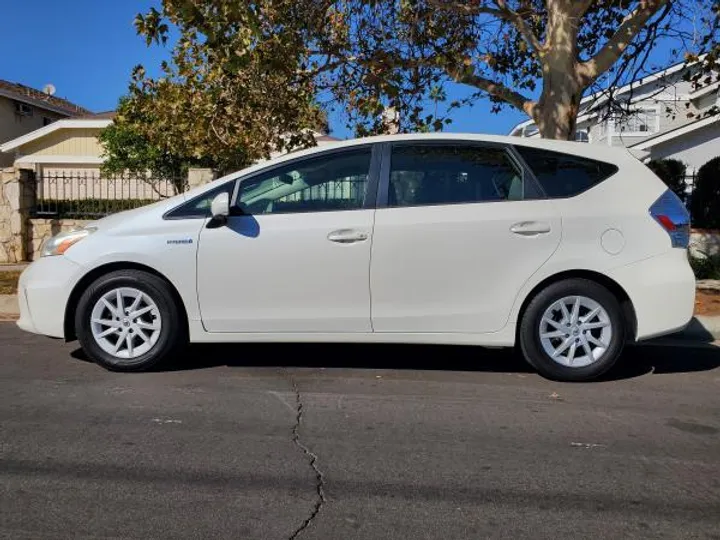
(345,442)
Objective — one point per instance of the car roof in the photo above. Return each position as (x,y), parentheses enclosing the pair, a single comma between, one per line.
(570,147)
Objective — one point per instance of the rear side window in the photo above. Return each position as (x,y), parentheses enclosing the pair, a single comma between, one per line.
(437,174)
(564,175)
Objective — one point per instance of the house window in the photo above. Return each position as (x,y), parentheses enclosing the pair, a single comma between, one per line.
(47,121)
(23,109)
(582,135)
(640,121)
(531,131)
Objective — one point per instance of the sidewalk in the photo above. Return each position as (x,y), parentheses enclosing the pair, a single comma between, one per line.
(9,310)
(19,267)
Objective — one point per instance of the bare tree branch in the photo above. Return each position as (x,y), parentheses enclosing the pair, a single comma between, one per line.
(521,24)
(496,90)
(581,7)
(503,11)
(617,44)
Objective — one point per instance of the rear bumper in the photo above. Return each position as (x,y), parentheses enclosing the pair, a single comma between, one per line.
(43,293)
(662,291)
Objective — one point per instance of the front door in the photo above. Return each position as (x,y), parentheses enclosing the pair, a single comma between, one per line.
(296,256)
(457,239)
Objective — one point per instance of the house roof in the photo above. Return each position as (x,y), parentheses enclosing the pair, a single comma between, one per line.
(105,115)
(75,123)
(98,120)
(674,133)
(31,96)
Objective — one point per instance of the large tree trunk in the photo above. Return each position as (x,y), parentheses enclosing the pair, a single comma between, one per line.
(556,112)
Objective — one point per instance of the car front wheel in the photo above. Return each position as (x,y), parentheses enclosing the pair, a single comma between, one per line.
(128,320)
(573,330)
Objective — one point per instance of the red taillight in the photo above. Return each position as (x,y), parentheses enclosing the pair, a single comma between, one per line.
(671,215)
(666,222)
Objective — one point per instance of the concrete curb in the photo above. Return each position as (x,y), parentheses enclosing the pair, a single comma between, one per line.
(9,307)
(701,328)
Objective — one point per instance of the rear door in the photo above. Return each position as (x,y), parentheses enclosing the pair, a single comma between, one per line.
(459,229)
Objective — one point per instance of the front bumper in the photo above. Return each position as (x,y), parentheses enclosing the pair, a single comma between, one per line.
(662,291)
(43,293)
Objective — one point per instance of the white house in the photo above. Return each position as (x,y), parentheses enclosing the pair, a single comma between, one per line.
(669,118)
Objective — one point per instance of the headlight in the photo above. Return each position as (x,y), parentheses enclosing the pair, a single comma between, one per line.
(60,243)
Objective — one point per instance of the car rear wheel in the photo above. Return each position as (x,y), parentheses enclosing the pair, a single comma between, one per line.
(128,320)
(573,330)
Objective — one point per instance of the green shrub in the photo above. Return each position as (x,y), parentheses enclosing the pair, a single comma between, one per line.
(705,267)
(86,208)
(705,201)
(672,172)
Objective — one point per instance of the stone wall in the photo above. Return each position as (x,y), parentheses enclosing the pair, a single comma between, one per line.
(17,197)
(39,230)
(7,246)
(20,236)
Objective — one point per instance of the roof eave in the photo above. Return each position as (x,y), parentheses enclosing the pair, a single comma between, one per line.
(50,128)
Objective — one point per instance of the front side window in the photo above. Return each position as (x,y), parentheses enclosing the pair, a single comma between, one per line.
(328,183)
(199,207)
(564,175)
(453,174)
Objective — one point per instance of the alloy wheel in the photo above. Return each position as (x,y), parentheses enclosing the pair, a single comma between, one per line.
(575,331)
(125,322)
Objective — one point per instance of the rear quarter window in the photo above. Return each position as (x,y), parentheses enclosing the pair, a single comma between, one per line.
(564,175)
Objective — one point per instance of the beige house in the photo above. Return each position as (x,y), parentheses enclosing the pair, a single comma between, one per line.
(66,156)
(24,110)
(72,147)
(66,146)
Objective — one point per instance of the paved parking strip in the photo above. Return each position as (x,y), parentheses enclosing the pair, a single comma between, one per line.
(392,442)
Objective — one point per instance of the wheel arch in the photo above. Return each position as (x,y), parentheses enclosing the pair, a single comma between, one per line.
(628,310)
(98,272)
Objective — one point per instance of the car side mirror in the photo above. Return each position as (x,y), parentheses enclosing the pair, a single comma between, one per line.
(220,207)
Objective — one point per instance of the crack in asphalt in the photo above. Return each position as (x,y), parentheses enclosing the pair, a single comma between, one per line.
(313,459)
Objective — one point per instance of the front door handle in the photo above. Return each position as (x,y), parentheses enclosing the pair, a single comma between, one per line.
(347,236)
(530,228)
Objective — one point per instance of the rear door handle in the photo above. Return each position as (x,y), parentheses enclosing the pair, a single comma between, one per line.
(347,236)
(530,228)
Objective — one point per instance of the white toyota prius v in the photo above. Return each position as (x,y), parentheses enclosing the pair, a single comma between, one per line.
(564,250)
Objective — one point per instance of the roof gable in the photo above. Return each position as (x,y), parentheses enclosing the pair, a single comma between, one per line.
(51,128)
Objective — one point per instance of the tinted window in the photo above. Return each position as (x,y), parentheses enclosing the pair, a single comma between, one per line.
(563,175)
(333,182)
(199,207)
(451,174)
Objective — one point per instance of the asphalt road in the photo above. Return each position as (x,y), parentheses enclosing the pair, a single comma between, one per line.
(393,442)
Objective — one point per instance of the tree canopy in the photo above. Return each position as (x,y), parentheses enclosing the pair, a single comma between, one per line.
(246,78)
(226,98)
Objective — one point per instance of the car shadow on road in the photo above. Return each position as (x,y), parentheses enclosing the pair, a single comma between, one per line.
(637,360)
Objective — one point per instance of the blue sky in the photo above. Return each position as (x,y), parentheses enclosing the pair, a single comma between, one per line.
(87,49)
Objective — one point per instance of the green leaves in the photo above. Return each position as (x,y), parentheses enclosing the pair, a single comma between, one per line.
(245,77)
(230,95)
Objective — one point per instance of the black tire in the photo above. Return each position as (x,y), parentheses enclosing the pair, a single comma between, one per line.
(529,331)
(172,334)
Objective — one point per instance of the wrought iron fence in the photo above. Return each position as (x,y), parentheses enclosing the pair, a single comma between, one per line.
(90,195)
(341,193)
